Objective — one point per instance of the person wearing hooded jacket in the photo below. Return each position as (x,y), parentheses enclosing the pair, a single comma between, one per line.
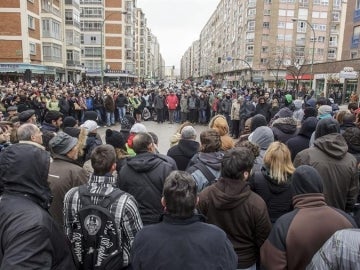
(205,166)
(284,126)
(263,137)
(297,235)
(143,176)
(29,237)
(337,167)
(302,140)
(232,206)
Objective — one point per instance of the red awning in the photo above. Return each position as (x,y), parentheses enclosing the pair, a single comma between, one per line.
(300,77)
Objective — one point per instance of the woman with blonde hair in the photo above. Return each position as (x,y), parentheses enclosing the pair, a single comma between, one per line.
(273,182)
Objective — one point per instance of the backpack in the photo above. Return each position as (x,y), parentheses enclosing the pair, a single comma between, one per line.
(96,238)
(207,173)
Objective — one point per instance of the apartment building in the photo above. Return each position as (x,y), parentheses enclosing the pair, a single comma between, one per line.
(75,39)
(253,42)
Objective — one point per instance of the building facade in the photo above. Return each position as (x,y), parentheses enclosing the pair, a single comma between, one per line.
(73,40)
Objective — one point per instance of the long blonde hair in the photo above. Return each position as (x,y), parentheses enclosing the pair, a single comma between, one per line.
(277,159)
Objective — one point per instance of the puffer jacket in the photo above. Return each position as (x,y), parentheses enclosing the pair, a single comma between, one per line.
(143,176)
(29,236)
(338,168)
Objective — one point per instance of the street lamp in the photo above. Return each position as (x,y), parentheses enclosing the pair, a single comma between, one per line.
(313,46)
(102,44)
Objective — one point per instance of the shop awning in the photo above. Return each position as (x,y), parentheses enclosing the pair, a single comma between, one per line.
(299,77)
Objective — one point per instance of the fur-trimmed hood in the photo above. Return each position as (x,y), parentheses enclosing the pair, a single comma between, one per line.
(287,125)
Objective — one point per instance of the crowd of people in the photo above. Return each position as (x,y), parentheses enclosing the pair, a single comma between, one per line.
(272,182)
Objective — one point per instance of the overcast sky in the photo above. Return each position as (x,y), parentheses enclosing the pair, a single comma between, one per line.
(176,24)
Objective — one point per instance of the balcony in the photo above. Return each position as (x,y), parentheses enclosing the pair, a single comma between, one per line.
(357,15)
(72,63)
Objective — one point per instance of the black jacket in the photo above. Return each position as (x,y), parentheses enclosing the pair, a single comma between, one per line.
(121,101)
(301,141)
(143,176)
(30,238)
(278,197)
(194,245)
(183,152)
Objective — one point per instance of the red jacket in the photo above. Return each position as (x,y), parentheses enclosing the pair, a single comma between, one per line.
(172,101)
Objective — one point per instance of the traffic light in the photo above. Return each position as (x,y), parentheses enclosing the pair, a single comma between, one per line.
(219,60)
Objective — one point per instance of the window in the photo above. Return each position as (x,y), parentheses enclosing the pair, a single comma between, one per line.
(31,22)
(250,37)
(319,27)
(333,41)
(251,3)
(281,25)
(251,25)
(265,49)
(321,39)
(357,4)
(32,47)
(250,49)
(266,25)
(332,53)
(353,55)
(251,12)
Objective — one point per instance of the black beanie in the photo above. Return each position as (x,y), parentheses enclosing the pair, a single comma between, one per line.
(90,115)
(310,112)
(115,139)
(327,126)
(306,180)
(257,121)
(69,121)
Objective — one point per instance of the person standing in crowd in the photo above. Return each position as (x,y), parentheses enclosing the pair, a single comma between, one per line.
(337,167)
(203,106)
(205,166)
(159,104)
(184,107)
(64,104)
(263,108)
(262,137)
(220,124)
(171,103)
(340,251)
(109,106)
(64,173)
(143,177)
(235,117)
(121,103)
(193,244)
(226,104)
(193,105)
(273,181)
(302,140)
(284,125)
(99,107)
(27,116)
(232,206)
(297,235)
(29,237)
(185,149)
(123,208)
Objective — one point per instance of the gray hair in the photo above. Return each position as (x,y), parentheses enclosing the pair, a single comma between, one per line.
(25,132)
(188,133)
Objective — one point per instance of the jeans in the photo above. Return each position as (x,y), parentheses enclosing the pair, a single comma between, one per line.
(177,116)
(253,267)
(202,116)
(122,112)
(99,116)
(110,118)
(171,116)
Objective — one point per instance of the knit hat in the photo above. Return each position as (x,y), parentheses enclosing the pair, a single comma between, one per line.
(115,139)
(308,126)
(284,113)
(90,115)
(310,102)
(257,121)
(62,143)
(352,138)
(25,115)
(137,128)
(69,121)
(72,131)
(326,126)
(90,125)
(11,109)
(306,180)
(324,111)
(310,112)
(127,122)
